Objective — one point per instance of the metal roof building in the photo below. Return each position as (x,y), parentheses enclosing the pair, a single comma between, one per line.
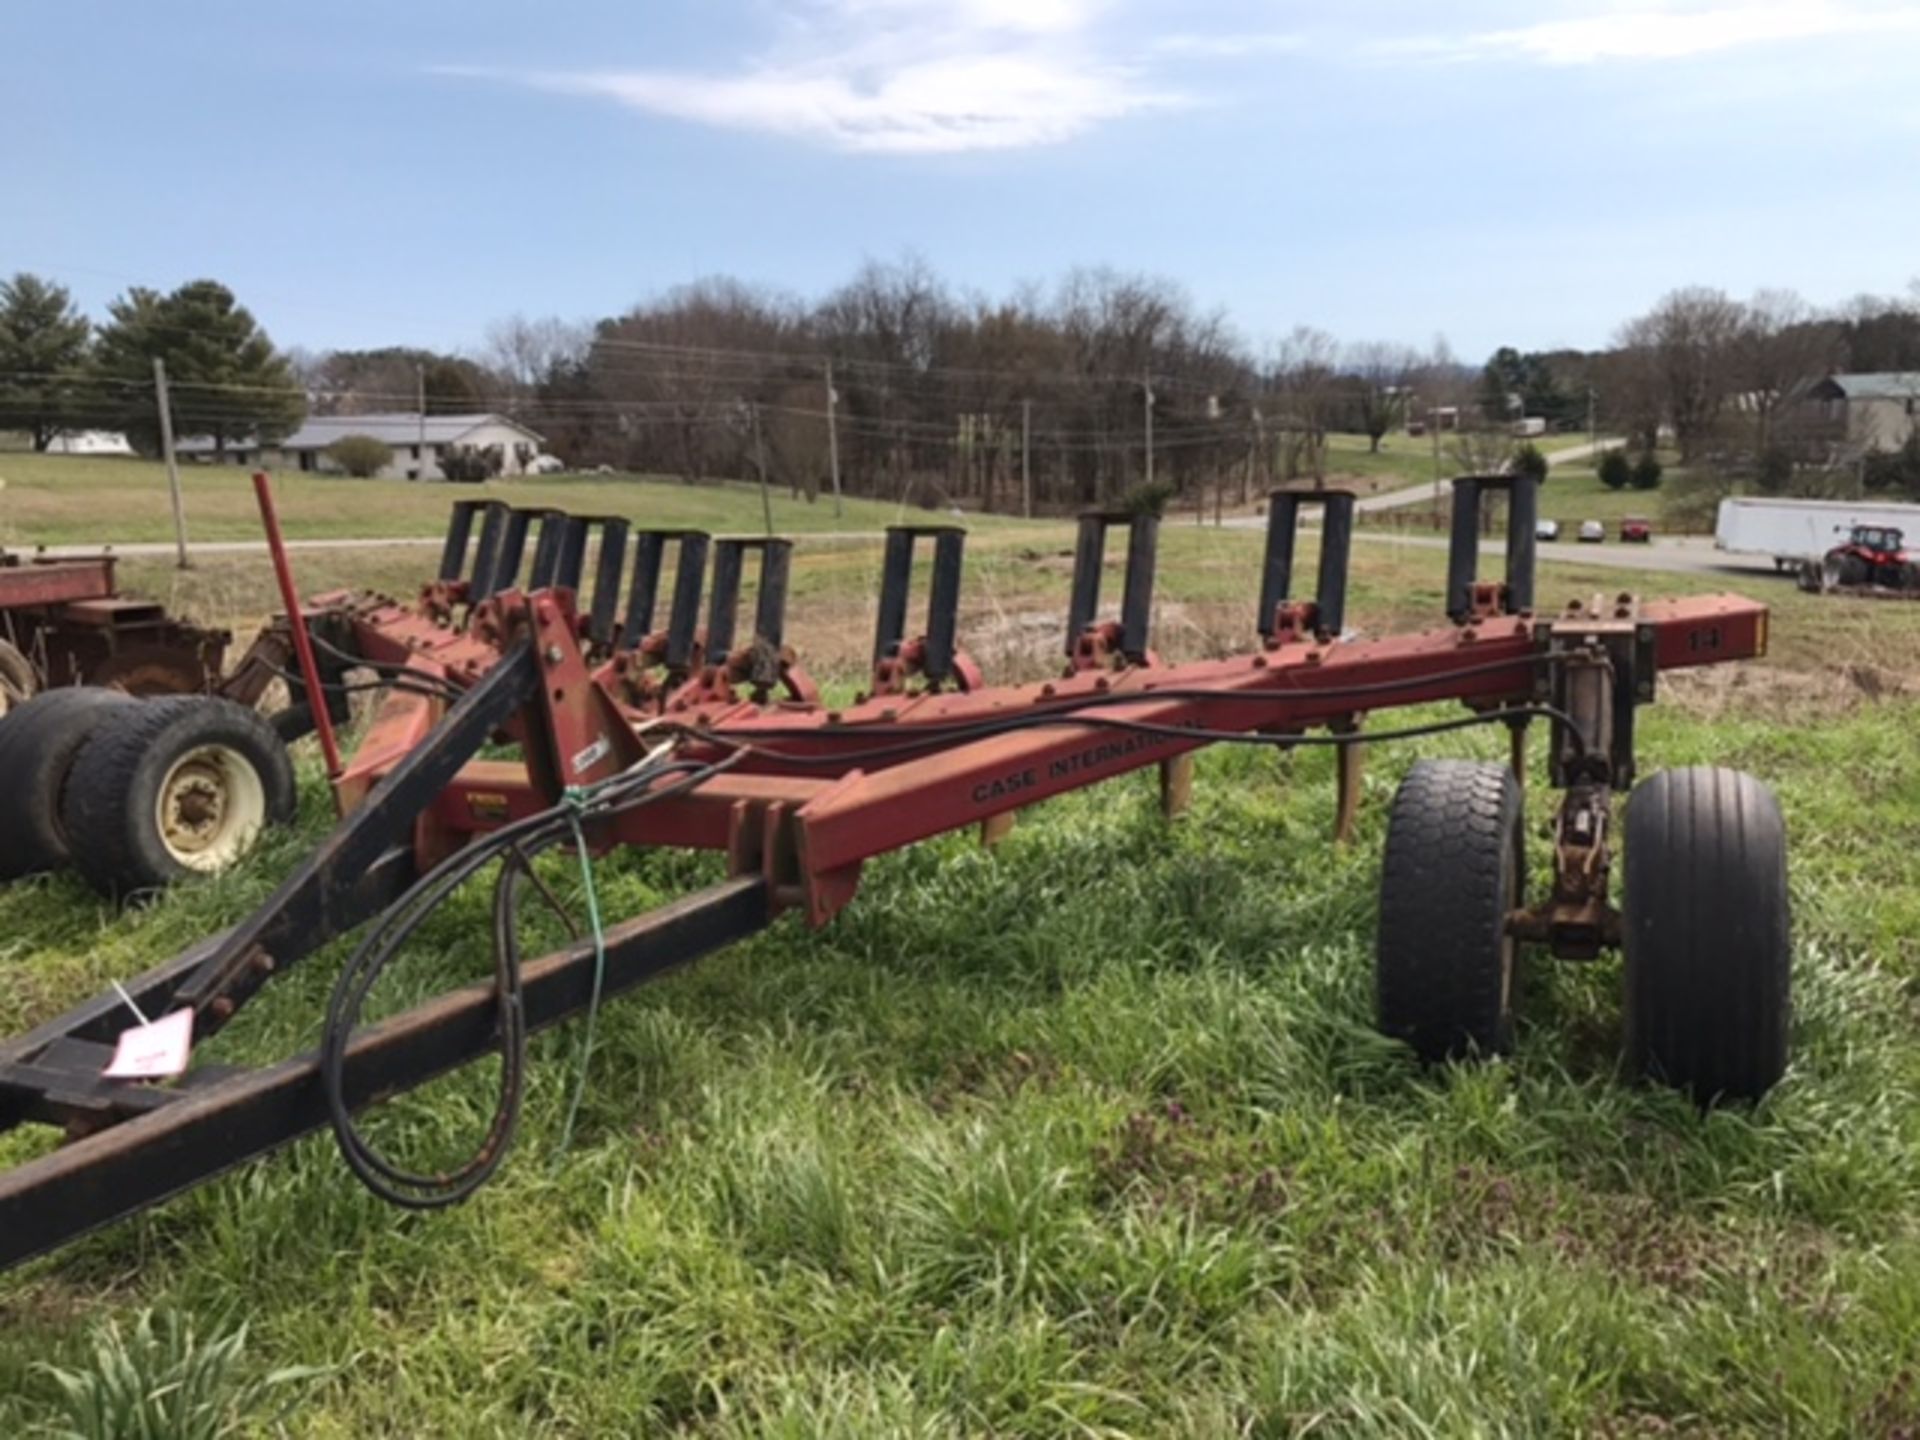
(418,443)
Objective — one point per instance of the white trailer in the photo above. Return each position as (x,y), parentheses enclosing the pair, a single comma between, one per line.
(1794,532)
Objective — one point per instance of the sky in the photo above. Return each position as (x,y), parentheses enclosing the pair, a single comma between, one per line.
(1501,173)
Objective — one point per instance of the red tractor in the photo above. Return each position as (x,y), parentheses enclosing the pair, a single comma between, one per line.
(1872,556)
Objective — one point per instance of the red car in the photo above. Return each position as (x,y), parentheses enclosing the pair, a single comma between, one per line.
(1635,529)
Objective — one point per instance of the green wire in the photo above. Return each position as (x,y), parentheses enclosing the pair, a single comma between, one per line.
(577,798)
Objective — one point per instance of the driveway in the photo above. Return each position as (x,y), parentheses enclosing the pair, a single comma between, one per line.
(1685,554)
(1416,494)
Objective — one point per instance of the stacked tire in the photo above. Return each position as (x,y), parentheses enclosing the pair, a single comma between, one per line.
(137,794)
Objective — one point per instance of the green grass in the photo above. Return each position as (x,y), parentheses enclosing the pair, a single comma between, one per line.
(1574,493)
(1406,460)
(1090,1133)
(68,500)
(1085,1134)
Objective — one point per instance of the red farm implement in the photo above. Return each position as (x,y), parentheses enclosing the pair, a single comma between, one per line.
(65,622)
(712,737)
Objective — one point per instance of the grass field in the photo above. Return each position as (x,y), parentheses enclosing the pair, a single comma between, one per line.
(72,500)
(1087,1134)
(1574,493)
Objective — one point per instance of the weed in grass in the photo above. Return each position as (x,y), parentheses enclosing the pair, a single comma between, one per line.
(160,1381)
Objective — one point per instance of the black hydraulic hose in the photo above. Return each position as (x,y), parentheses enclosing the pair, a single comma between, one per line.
(520,843)
(986,730)
(1070,705)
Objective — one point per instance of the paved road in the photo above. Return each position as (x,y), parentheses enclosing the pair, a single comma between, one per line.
(1415,494)
(164,550)
(1688,554)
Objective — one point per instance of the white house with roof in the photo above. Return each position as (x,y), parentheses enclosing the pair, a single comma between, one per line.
(418,443)
(1880,411)
(88,442)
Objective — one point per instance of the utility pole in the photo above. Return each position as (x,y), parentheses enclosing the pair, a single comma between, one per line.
(1026,458)
(760,462)
(1146,388)
(173,465)
(1257,453)
(1433,424)
(1593,431)
(833,441)
(420,398)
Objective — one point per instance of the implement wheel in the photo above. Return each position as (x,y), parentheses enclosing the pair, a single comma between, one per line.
(1452,871)
(173,788)
(1707,933)
(38,745)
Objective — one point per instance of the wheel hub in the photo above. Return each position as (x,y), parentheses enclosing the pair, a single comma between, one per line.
(210,806)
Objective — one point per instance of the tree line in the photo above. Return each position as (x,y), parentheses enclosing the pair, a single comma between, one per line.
(1062,396)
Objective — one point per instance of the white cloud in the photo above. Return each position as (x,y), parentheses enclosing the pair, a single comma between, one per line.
(977,101)
(1027,16)
(900,76)
(1646,33)
(1228,47)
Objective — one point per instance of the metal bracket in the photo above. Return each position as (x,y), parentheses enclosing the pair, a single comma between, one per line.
(1281,618)
(766,663)
(1604,668)
(1515,597)
(933,657)
(1091,645)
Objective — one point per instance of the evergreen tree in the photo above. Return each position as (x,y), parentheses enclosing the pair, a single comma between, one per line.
(43,354)
(226,379)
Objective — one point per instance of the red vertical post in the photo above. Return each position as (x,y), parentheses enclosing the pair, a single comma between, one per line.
(297,624)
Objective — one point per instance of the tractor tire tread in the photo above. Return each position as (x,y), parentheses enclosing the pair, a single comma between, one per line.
(40,742)
(1708,933)
(108,810)
(1449,875)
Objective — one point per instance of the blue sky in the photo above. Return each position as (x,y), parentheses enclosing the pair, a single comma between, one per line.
(1497,172)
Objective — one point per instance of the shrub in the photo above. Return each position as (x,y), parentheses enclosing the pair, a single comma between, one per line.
(1646,472)
(1896,470)
(1616,471)
(471,462)
(1529,461)
(1774,470)
(1144,499)
(360,456)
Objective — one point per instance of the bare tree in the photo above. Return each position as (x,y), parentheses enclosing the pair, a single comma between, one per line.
(1783,348)
(680,368)
(1304,372)
(526,354)
(1383,374)
(1686,348)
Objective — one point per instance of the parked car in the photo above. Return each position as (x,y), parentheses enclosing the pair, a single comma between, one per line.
(1592,532)
(1546,530)
(1636,530)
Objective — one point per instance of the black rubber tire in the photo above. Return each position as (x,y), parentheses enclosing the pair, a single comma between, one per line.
(39,743)
(1853,571)
(293,723)
(111,801)
(1453,869)
(1708,933)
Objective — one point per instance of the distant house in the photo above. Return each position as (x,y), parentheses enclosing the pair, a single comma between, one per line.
(418,443)
(88,442)
(1875,412)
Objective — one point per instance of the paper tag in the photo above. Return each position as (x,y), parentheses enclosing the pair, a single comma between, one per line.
(153,1052)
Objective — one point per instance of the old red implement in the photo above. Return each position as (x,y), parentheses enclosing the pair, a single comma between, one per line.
(711,736)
